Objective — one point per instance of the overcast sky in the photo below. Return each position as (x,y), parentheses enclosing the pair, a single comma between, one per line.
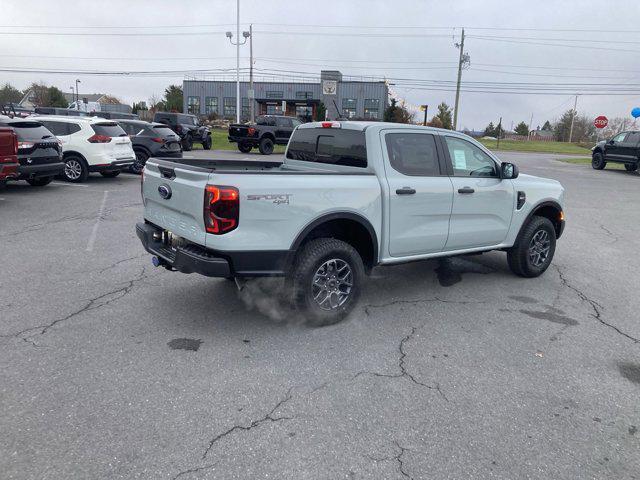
(604,39)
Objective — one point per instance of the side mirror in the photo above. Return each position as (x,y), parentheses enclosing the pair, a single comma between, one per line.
(611,142)
(509,170)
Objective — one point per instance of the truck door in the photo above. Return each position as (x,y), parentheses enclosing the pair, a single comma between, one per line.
(420,192)
(614,148)
(629,148)
(483,203)
(283,130)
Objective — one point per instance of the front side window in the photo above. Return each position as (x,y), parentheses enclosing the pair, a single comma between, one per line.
(335,147)
(210,105)
(229,106)
(349,106)
(413,154)
(620,137)
(468,160)
(193,105)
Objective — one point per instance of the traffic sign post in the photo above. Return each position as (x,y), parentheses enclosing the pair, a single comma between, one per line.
(601,122)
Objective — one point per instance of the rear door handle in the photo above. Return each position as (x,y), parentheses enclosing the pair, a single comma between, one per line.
(466,190)
(405,191)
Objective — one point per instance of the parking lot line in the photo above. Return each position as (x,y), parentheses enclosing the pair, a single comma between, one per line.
(94,231)
(69,184)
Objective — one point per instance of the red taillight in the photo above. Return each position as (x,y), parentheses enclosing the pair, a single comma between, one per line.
(15,143)
(251,131)
(157,140)
(99,139)
(25,145)
(331,125)
(221,209)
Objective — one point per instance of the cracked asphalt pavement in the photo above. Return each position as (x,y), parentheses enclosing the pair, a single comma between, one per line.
(447,369)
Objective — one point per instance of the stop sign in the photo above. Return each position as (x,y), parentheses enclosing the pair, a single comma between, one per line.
(601,121)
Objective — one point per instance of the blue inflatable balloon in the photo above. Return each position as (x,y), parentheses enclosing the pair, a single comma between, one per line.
(635,113)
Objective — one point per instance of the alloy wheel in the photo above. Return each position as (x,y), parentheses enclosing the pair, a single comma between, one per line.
(72,169)
(332,284)
(539,248)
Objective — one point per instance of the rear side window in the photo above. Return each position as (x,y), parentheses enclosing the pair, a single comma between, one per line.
(633,137)
(329,145)
(108,129)
(163,130)
(57,128)
(413,154)
(30,131)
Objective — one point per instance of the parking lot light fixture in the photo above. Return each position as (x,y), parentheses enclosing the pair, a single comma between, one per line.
(237,45)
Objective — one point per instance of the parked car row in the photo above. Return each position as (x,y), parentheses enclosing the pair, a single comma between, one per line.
(41,147)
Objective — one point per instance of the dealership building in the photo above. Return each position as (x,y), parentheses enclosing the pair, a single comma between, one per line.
(341,98)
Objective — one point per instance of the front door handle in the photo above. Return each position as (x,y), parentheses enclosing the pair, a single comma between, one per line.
(405,191)
(466,190)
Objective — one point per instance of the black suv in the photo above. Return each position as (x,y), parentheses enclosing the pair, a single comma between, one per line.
(623,148)
(150,140)
(188,127)
(39,152)
(269,130)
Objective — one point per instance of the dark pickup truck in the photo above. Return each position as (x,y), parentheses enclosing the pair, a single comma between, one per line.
(622,148)
(187,127)
(269,130)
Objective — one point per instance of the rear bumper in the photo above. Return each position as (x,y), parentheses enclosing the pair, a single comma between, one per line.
(185,260)
(193,258)
(115,165)
(247,140)
(43,170)
(8,171)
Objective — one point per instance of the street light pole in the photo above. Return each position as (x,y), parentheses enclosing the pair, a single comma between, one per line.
(238,62)
(246,35)
(77,95)
(253,94)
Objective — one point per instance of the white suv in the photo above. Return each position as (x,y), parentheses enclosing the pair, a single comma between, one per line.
(90,144)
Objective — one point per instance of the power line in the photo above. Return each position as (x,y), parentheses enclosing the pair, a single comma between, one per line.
(552,44)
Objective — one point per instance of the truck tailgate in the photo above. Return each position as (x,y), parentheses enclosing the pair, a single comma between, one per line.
(174,199)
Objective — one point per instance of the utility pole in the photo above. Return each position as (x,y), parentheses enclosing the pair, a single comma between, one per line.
(77,95)
(426,109)
(573,117)
(499,132)
(252,97)
(460,63)
(530,122)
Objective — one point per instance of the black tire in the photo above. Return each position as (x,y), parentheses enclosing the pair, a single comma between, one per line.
(311,261)
(244,147)
(76,169)
(266,146)
(187,143)
(40,181)
(597,161)
(138,165)
(631,167)
(110,174)
(522,256)
(206,144)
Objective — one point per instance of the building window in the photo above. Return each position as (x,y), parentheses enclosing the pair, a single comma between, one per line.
(372,108)
(246,111)
(349,107)
(274,109)
(229,106)
(304,95)
(273,94)
(193,105)
(210,105)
